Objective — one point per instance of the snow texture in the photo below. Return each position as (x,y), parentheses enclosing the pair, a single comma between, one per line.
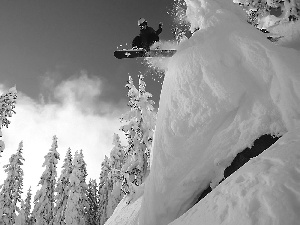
(265,191)
(289,34)
(125,214)
(225,87)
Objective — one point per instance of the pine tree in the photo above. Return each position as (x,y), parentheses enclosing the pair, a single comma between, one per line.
(117,158)
(27,208)
(11,191)
(93,201)
(62,190)
(7,105)
(258,10)
(77,204)
(25,217)
(43,211)
(105,187)
(114,197)
(20,219)
(139,132)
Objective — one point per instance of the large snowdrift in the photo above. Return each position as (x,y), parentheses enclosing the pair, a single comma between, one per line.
(289,33)
(226,86)
(265,191)
(125,214)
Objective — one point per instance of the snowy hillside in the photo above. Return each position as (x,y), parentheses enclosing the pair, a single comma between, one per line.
(264,191)
(225,87)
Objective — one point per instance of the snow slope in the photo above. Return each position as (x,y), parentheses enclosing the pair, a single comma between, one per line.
(225,87)
(290,33)
(125,214)
(264,191)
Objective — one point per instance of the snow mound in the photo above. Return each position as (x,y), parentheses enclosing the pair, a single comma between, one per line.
(264,191)
(289,33)
(226,86)
(125,214)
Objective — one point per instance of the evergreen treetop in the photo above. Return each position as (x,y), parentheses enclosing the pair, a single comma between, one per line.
(44,199)
(7,105)
(62,189)
(11,191)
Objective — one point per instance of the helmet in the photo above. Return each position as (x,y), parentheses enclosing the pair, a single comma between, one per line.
(142,21)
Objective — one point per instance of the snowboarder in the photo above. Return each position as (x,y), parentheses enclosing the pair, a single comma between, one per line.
(141,44)
(147,36)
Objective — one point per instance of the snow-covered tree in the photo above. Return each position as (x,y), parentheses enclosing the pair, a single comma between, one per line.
(117,158)
(7,105)
(62,189)
(43,211)
(114,198)
(20,219)
(260,10)
(105,187)
(105,174)
(77,204)
(93,201)
(110,181)
(24,217)
(139,131)
(11,191)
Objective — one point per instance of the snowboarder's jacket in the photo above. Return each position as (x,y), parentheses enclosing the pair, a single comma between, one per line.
(146,38)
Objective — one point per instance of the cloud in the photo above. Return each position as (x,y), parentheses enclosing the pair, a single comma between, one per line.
(79,91)
(77,115)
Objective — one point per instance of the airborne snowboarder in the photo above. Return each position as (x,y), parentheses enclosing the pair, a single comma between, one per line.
(141,44)
(147,36)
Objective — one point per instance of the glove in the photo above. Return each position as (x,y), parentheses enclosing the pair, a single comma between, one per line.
(160,25)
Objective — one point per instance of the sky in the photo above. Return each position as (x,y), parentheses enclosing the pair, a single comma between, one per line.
(59,55)
(56,39)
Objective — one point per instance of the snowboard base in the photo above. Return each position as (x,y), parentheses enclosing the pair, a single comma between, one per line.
(140,53)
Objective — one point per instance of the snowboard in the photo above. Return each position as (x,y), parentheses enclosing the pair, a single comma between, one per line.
(139,53)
